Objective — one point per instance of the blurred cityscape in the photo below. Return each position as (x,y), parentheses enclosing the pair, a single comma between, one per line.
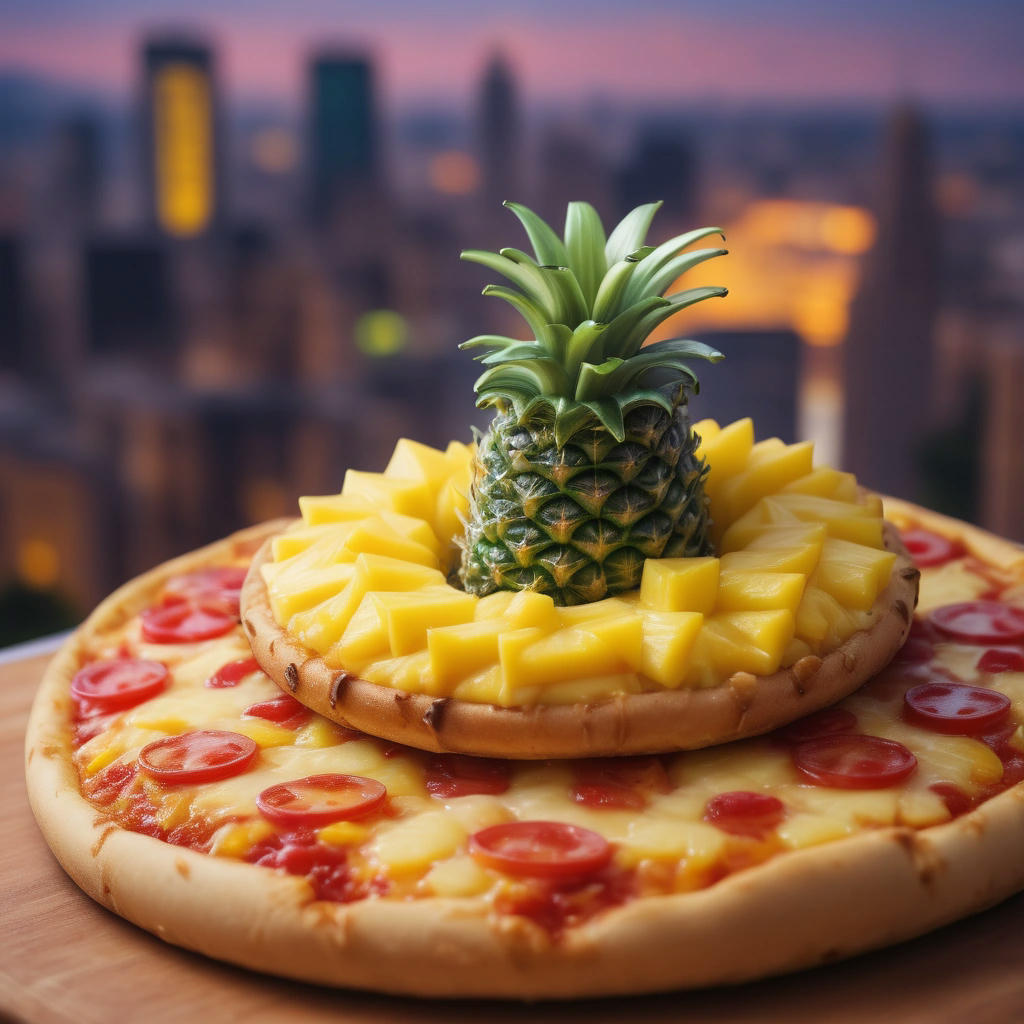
(208,309)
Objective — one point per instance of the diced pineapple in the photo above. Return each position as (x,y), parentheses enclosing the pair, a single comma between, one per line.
(668,639)
(494,606)
(318,734)
(410,497)
(766,473)
(483,687)
(343,833)
(802,560)
(740,642)
(412,460)
(238,838)
(295,593)
(780,535)
(728,450)
(376,537)
(329,539)
(457,877)
(657,838)
(821,621)
(320,509)
(365,638)
(459,455)
(846,520)
(457,652)
(577,614)
(531,609)
(264,733)
(852,573)
(706,430)
(415,843)
(680,584)
(825,482)
(741,590)
(409,615)
(451,511)
(799,830)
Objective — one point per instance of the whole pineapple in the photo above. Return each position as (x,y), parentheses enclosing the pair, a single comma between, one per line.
(590,464)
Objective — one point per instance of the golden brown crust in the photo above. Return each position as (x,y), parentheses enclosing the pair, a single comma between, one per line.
(644,723)
(797,910)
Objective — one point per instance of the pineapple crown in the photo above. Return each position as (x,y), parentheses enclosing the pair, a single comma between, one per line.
(591,303)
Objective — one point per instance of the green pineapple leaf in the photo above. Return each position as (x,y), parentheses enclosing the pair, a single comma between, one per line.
(546,244)
(630,233)
(584,245)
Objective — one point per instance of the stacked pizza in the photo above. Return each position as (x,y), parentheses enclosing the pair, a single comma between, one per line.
(310,749)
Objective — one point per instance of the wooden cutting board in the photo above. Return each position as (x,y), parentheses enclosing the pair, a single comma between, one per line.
(66,959)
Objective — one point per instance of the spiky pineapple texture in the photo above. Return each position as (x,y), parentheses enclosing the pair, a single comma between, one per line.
(590,465)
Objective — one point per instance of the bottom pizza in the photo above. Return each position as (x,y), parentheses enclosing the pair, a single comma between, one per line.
(180,788)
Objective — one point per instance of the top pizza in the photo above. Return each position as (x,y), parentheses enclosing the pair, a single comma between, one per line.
(357,611)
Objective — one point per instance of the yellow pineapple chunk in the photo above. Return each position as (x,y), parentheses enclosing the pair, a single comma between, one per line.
(343,833)
(406,672)
(668,639)
(825,482)
(494,606)
(412,460)
(801,559)
(297,592)
(459,455)
(531,609)
(413,844)
(846,520)
(821,621)
(728,450)
(741,590)
(451,510)
(365,637)
(707,430)
(321,627)
(319,509)
(409,497)
(740,642)
(778,535)
(766,473)
(375,536)
(680,584)
(852,573)
(578,614)
(409,615)
(328,539)
(457,652)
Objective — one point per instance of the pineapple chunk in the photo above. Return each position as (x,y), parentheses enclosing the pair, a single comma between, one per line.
(414,844)
(408,616)
(328,539)
(707,430)
(776,535)
(410,497)
(741,590)
(825,482)
(668,639)
(861,524)
(376,537)
(494,606)
(298,592)
(822,622)
(321,627)
(452,510)
(852,573)
(680,584)
(728,450)
(319,509)
(578,614)
(530,609)
(740,642)
(767,472)
(412,460)
(801,559)
(457,652)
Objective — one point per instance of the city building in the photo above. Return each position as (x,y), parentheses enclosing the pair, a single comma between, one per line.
(499,133)
(182,157)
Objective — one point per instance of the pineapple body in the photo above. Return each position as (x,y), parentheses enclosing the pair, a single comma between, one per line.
(576,520)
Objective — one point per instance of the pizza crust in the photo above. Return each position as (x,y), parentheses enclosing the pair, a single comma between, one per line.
(644,723)
(797,910)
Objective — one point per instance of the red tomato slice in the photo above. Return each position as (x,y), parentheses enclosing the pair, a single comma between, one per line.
(541,849)
(1002,659)
(184,623)
(202,756)
(955,708)
(827,722)
(928,549)
(284,710)
(981,622)
(450,775)
(742,813)
(853,761)
(619,782)
(320,799)
(118,684)
(232,673)
(220,586)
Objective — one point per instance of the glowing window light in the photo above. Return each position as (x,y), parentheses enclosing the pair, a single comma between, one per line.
(274,151)
(38,563)
(454,173)
(183,158)
(382,332)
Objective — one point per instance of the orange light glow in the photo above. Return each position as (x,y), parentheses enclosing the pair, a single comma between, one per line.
(454,173)
(38,563)
(183,158)
(791,264)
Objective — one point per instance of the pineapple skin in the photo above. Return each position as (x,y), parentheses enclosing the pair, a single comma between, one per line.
(577,521)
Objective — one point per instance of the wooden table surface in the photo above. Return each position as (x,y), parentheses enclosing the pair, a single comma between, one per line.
(65,958)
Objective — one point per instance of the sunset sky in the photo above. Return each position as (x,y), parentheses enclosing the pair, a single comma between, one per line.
(938,51)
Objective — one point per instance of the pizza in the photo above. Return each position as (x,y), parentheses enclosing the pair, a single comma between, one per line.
(183,789)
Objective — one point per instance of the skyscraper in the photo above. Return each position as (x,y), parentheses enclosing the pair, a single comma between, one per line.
(499,136)
(181,137)
(343,153)
(661,166)
(889,349)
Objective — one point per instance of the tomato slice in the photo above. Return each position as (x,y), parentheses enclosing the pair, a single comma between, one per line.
(219,586)
(184,623)
(853,761)
(232,673)
(202,756)
(827,722)
(450,775)
(283,709)
(928,549)
(320,799)
(955,708)
(118,684)
(1002,659)
(980,622)
(624,783)
(743,813)
(541,849)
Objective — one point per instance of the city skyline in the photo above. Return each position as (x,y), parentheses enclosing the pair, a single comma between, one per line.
(654,51)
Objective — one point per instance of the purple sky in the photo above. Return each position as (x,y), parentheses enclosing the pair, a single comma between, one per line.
(938,50)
